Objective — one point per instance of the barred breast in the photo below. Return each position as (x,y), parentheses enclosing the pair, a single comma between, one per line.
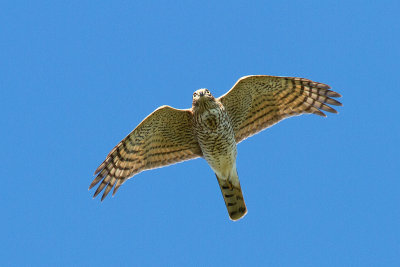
(216,138)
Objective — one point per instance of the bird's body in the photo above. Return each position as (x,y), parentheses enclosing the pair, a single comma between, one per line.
(216,137)
(211,129)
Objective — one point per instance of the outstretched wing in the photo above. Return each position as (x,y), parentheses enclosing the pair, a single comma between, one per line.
(165,137)
(257,102)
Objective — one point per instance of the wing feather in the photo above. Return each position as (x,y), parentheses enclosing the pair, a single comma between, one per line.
(257,102)
(165,137)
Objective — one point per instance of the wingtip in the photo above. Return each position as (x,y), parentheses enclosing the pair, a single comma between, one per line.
(334,94)
(97,171)
(319,113)
(99,189)
(101,167)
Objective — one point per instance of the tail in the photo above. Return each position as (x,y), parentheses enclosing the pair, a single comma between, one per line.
(233,198)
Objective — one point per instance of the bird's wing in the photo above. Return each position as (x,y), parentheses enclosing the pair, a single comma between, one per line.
(165,137)
(257,102)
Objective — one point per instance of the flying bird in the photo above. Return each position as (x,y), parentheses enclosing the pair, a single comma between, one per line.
(211,129)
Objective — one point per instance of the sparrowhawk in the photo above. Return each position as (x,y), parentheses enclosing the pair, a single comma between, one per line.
(211,129)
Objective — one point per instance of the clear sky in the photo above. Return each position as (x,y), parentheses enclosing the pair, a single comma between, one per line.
(77,76)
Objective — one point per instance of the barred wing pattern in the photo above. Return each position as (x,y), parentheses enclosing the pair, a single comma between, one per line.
(165,137)
(257,102)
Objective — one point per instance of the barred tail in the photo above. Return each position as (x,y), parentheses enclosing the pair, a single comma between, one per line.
(233,198)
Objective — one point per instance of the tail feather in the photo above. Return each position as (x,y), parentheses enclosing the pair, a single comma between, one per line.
(233,198)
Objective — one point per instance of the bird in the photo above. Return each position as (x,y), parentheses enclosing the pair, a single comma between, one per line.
(211,129)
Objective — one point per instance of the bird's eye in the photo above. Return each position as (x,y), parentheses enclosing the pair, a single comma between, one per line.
(194,94)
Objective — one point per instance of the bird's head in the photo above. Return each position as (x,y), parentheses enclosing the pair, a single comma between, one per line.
(202,97)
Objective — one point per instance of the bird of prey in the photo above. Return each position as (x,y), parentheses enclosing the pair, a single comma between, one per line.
(211,129)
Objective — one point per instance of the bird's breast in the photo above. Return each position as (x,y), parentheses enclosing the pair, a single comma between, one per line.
(216,138)
(211,120)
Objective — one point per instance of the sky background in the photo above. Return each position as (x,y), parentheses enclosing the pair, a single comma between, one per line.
(77,76)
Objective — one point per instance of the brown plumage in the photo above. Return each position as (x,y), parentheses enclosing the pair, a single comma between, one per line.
(162,138)
(211,129)
(233,197)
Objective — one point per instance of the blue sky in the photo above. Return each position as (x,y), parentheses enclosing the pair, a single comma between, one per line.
(77,76)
